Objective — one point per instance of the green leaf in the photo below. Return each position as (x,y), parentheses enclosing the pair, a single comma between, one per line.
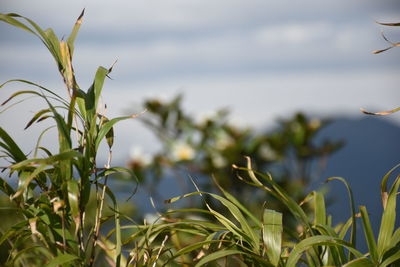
(345,228)
(12,147)
(217,255)
(388,220)
(336,256)
(57,97)
(14,231)
(360,262)
(319,240)
(20,93)
(254,240)
(319,206)
(277,192)
(28,180)
(61,259)
(94,92)
(74,33)
(353,212)
(8,18)
(384,193)
(272,235)
(118,239)
(194,246)
(369,234)
(395,238)
(47,37)
(106,129)
(391,259)
(73,199)
(174,199)
(247,233)
(238,204)
(6,188)
(37,117)
(69,154)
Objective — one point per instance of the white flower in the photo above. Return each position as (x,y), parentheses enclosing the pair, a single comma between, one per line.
(219,161)
(267,152)
(137,155)
(314,124)
(182,151)
(222,140)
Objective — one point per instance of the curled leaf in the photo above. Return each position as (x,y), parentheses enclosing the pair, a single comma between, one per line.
(380,113)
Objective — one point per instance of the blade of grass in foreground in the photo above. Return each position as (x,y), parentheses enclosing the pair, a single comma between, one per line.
(272,235)
(353,212)
(319,240)
(388,220)
(217,255)
(369,235)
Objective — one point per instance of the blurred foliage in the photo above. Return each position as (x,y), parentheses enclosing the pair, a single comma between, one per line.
(209,147)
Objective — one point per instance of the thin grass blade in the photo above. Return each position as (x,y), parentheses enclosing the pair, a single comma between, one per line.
(272,235)
(369,235)
(353,233)
(217,255)
(388,220)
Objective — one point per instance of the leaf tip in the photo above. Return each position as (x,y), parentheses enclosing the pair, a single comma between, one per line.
(79,20)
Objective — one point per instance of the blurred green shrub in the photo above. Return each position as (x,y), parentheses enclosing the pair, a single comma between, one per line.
(209,147)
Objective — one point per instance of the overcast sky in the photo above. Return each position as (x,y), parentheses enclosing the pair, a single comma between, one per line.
(262,59)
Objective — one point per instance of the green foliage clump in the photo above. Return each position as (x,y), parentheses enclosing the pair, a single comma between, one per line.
(53,190)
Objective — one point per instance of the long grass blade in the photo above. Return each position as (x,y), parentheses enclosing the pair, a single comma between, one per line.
(384,181)
(360,262)
(388,220)
(74,33)
(272,235)
(353,233)
(369,235)
(217,255)
(61,260)
(319,240)
(12,147)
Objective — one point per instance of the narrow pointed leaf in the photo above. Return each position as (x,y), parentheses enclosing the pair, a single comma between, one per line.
(391,259)
(353,211)
(73,199)
(107,127)
(384,193)
(12,147)
(37,117)
(388,219)
(61,260)
(217,255)
(389,24)
(74,33)
(360,262)
(48,161)
(319,240)
(369,234)
(94,92)
(272,235)
(383,112)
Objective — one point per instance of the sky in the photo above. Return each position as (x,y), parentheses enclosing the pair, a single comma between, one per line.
(261,59)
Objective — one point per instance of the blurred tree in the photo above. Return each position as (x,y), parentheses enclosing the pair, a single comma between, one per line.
(208,149)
